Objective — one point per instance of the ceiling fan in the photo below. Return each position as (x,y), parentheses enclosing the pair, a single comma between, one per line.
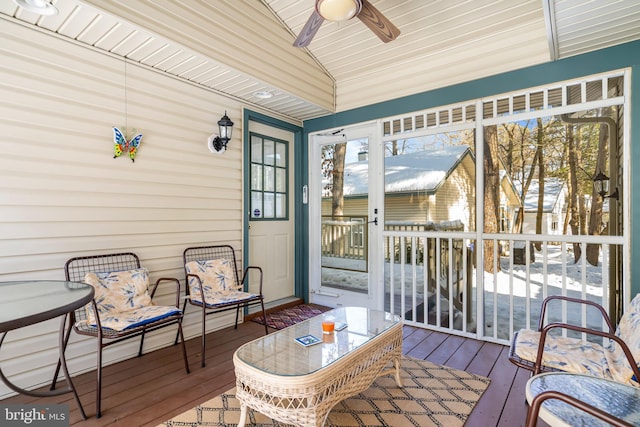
(343,10)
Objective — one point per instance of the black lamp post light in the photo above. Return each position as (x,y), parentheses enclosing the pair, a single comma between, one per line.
(601,185)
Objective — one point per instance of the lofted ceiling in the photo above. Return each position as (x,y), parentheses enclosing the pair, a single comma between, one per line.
(442,42)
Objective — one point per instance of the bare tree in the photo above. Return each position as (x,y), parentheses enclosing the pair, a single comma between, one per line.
(595,217)
(574,191)
(337,195)
(491,194)
(541,180)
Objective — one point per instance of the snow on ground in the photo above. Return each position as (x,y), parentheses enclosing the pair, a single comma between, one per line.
(506,291)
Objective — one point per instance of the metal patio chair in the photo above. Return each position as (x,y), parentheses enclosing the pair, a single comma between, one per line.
(545,350)
(213,286)
(120,278)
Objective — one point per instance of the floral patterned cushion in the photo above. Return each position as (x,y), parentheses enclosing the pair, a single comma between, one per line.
(629,331)
(563,353)
(218,283)
(575,355)
(123,300)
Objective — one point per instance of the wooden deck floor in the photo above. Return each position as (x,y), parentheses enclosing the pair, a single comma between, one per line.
(149,390)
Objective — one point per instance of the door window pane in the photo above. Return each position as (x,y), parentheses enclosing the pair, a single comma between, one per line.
(281,180)
(269,178)
(256,204)
(281,208)
(256,149)
(256,177)
(269,208)
(281,154)
(269,155)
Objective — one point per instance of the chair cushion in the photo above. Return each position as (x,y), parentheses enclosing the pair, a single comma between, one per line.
(123,300)
(563,353)
(629,331)
(218,283)
(124,320)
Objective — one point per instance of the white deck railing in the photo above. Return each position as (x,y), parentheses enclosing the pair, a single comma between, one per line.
(492,305)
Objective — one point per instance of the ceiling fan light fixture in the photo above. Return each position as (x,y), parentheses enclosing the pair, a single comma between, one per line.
(338,10)
(41,7)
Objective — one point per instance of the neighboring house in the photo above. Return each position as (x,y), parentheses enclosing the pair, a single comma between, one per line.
(425,187)
(510,202)
(553,208)
(421,187)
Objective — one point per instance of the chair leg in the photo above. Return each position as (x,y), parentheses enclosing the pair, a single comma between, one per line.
(204,344)
(184,309)
(264,316)
(141,343)
(237,316)
(99,380)
(184,347)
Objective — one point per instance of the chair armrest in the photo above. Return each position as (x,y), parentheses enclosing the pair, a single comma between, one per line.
(246,271)
(195,276)
(547,300)
(617,339)
(164,279)
(84,318)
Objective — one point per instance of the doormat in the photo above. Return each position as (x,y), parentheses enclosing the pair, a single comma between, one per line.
(432,395)
(289,316)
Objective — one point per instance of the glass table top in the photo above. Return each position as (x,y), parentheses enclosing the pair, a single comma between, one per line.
(26,302)
(278,353)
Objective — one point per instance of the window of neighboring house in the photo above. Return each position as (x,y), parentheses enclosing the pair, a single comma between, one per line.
(269,178)
(504,219)
(554,221)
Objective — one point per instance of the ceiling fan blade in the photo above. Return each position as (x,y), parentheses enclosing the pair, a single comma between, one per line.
(309,30)
(378,23)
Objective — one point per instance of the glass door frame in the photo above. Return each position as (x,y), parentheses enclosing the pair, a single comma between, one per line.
(334,297)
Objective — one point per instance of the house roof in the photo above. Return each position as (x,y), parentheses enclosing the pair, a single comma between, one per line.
(240,48)
(553,188)
(421,171)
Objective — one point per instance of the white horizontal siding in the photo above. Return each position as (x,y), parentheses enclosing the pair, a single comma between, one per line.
(62,194)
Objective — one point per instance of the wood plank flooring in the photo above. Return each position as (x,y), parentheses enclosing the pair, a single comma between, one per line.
(149,390)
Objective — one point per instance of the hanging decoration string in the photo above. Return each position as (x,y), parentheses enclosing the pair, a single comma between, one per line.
(120,138)
(126,115)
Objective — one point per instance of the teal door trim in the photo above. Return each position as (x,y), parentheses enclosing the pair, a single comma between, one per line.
(301,212)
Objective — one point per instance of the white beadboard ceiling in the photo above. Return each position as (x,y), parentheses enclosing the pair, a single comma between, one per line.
(442,42)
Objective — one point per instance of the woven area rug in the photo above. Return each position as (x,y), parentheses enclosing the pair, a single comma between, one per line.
(432,395)
(289,316)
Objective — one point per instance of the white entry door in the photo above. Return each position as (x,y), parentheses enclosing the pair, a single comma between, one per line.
(271,209)
(345,217)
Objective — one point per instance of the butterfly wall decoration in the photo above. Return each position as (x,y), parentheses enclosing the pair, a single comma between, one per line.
(121,145)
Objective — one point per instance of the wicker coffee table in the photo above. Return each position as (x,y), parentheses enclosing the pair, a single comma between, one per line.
(299,385)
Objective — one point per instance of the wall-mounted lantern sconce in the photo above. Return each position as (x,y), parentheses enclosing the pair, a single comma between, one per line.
(218,143)
(601,185)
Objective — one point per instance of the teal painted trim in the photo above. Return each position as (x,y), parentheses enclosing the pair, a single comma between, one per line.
(601,61)
(301,212)
(635,178)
